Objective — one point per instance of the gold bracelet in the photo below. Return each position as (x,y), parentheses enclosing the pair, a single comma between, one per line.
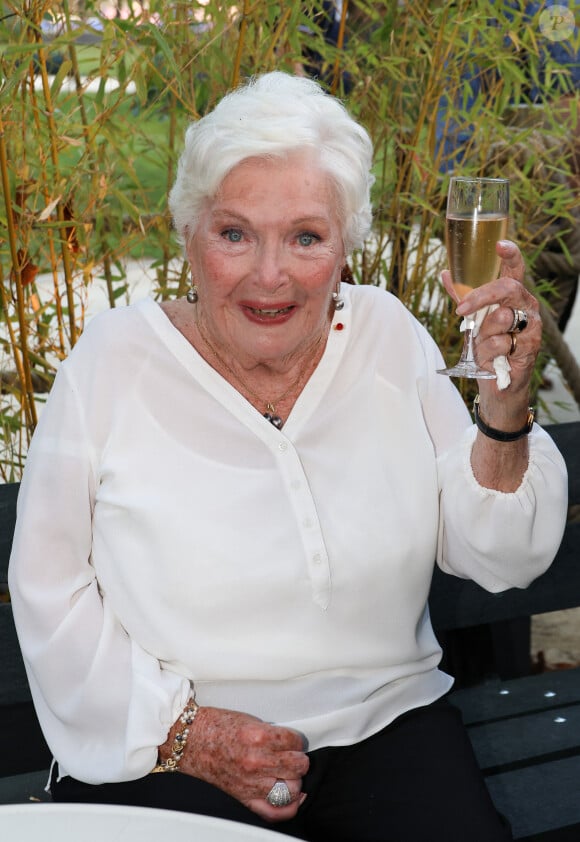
(180,739)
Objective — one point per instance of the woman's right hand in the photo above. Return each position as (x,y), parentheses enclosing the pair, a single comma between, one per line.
(245,757)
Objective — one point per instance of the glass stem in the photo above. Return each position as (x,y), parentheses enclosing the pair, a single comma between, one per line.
(467,353)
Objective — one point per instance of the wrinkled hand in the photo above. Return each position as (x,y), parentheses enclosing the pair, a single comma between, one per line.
(245,757)
(493,339)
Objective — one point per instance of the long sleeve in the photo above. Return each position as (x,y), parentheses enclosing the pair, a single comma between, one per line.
(502,540)
(103,702)
(499,540)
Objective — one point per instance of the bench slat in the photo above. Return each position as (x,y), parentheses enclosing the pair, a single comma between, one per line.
(496,700)
(526,740)
(18,789)
(567,438)
(8,496)
(540,798)
(24,748)
(14,687)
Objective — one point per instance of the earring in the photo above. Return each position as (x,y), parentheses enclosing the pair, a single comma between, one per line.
(337,298)
(192,295)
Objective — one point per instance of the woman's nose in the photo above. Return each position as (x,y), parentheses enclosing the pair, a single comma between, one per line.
(271,269)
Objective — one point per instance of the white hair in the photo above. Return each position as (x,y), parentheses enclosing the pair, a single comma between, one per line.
(273,115)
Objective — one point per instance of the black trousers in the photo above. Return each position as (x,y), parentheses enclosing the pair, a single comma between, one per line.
(415,781)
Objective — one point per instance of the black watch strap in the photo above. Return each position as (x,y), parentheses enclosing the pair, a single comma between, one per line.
(500,435)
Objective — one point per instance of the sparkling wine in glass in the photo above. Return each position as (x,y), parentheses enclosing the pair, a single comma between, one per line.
(477,217)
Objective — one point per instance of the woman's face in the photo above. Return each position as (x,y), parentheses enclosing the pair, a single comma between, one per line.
(266,257)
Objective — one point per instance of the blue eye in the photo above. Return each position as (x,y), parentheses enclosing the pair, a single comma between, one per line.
(234,235)
(307,238)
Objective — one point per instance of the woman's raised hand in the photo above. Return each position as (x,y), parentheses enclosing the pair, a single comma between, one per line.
(495,337)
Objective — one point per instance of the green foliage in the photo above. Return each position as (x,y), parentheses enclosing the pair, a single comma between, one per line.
(86,168)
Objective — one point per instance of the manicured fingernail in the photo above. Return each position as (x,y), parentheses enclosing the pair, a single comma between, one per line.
(303,798)
(507,245)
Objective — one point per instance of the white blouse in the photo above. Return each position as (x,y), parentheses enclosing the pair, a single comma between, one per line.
(168,534)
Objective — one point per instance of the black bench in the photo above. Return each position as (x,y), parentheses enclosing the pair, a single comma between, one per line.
(24,755)
(526,731)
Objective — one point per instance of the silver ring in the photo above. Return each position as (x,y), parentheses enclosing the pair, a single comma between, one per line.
(279,795)
(520,321)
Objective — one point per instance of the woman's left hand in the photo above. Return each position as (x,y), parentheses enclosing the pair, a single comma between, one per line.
(498,464)
(494,338)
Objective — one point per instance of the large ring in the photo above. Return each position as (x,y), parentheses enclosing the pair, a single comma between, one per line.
(514,345)
(279,795)
(520,321)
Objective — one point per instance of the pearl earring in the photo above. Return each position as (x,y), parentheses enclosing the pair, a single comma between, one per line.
(192,295)
(337,298)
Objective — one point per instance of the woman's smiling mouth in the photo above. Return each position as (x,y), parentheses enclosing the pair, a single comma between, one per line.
(270,313)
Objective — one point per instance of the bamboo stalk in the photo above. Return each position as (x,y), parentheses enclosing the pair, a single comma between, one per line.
(21,359)
(240,44)
(36,110)
(88,138)
(53,133)
(339,47)
(280,27)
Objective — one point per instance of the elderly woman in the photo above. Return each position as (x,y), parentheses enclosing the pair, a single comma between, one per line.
(233,503)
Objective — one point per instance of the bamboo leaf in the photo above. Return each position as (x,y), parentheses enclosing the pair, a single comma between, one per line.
(138,78)
(48,209)
(160,42)
(127,204)
(63,72)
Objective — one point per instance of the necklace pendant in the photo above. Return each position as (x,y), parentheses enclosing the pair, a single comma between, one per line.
(275,420)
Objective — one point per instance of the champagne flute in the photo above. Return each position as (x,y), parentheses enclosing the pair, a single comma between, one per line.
(477,217)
